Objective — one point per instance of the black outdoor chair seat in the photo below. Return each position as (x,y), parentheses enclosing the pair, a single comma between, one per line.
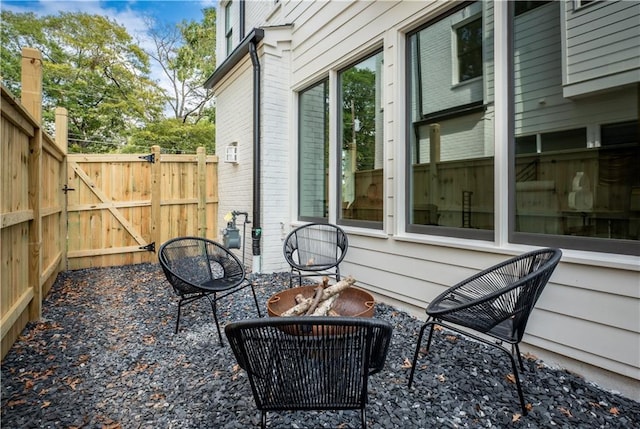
(315,249)
(200,268)
(496,302)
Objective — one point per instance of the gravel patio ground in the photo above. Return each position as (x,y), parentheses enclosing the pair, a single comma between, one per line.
(105,356)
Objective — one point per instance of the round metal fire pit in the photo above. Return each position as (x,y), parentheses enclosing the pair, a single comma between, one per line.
(352,302)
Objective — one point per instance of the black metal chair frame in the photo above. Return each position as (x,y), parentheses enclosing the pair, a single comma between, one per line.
(204,269)
(496,302)
(309,362)
(315,249)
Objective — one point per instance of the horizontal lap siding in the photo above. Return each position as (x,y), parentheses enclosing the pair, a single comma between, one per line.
(602,38)
(581,313)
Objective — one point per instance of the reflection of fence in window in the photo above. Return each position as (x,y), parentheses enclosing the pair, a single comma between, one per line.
(454,177)
(546,203)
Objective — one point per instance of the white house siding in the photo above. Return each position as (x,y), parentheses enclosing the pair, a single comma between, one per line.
(588,315)
(234,124)
(601,46)
(276,157)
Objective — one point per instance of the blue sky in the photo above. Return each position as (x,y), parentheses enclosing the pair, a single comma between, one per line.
(128,13)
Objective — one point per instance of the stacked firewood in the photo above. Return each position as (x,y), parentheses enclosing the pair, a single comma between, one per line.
(323,299)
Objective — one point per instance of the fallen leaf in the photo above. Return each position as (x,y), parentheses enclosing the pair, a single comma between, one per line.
(406,364)
(16,402)
(441,378)
(72,383)
(516,417)
(614,411)
(511,378)
(452,338)
(565,411)
(46,404)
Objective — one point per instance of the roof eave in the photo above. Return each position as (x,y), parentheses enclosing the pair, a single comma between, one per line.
(255,36)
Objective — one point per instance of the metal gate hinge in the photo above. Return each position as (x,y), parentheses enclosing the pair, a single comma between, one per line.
(149,158)
(151,247)
(66,189)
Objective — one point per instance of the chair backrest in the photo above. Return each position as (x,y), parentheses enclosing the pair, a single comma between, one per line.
(309,363)
(315,246)
(189,262)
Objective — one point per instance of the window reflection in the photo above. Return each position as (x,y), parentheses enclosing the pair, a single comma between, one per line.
(361,153)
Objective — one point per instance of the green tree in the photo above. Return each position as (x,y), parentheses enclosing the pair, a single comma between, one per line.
(358,105)
(173,136)
(186,54)
(92,67)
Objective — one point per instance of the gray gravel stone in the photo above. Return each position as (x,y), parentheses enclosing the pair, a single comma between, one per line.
(105,356)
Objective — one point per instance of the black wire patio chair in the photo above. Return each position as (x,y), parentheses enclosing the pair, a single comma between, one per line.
(310,362)
(200,268)
(495,302)
(315,249)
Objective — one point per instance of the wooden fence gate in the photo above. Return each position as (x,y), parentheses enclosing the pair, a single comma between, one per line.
(120,208)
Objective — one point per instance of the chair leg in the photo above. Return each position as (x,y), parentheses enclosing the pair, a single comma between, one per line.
(363,417)
(263,419)
(256,300)
(516,350)
(415,355)
(509,353)
(215,314)
(517,377)
(178,319)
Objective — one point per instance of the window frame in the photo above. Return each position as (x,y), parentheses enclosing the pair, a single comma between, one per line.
(437,230)
(228,31)
(584,243)
(456,55)
(327,147)
(371,224)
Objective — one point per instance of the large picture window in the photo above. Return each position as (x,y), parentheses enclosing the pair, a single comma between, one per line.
(575,160)
(450,131)
(360,135)
(313,161)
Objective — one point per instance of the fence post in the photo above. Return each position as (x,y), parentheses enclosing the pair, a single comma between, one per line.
(62,136)
(202,191)
(31,80)
(156,197)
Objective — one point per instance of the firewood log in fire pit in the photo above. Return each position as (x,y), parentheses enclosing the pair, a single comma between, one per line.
(322,307)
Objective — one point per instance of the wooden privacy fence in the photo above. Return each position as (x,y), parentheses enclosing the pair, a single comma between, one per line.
(31,205)
(61,211)
(120,208)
